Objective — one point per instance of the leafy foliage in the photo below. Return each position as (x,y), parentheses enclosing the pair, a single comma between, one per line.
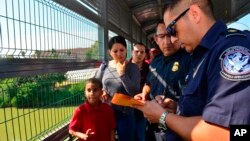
(92,52)
(38,91)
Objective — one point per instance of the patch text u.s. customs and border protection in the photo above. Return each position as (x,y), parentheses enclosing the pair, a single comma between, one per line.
(235,63)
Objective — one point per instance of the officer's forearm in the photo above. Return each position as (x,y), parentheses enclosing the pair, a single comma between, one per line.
(196,129)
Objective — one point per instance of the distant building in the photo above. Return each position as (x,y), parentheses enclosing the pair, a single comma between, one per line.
(76,53)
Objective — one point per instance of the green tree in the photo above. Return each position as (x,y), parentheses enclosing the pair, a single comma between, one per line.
(7,91)
(68,53)
(30,91)
(38,53)
(23,53)
(92,52)
(54,53)
(9,56)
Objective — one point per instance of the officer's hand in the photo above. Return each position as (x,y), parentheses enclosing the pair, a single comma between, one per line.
(151,110)
(140,96)
(159,99)
(169,105)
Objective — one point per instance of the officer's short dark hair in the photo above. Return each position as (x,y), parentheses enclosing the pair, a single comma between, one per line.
(159,22)
(206,6)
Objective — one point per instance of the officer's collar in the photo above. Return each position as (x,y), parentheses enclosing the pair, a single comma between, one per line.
(172,57)
(212,35)
(168,58)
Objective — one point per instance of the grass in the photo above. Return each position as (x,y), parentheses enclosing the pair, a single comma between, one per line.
(31,124)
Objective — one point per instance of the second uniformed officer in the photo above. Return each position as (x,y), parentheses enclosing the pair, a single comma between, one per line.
(167,72)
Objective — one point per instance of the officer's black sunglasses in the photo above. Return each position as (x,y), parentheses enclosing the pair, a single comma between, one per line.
(171,31)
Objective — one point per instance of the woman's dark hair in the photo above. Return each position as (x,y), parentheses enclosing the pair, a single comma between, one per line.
(117,39)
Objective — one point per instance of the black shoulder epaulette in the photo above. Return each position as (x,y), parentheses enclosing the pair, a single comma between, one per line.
(234,32)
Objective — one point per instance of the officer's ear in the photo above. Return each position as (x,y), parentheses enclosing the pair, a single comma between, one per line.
(195,13)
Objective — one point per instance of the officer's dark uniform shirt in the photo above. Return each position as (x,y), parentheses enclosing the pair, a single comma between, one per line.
(164,73)
(218,85)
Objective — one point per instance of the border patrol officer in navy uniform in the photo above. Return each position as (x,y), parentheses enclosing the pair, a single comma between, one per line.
(167,73)
(217,93)
(221,67)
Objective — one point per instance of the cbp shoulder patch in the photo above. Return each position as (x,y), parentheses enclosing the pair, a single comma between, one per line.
(235,63)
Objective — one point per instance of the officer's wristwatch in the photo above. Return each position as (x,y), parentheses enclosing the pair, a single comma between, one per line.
(162,124)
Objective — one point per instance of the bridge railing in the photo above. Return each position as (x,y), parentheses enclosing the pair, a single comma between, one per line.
(47,51)
(34,108)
